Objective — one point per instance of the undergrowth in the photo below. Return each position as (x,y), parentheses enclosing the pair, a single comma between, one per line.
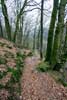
(43,67)
(56,75)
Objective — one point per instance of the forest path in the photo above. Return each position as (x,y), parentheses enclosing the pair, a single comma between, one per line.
(39,86)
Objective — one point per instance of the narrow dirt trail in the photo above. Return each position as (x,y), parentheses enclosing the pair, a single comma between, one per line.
(39,86)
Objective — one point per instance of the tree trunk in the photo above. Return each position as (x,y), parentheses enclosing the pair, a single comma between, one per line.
(1,30)
(7,24)
(34,39)
(38,39)
(18,18)
(41,39)
(58,33)
(51,31)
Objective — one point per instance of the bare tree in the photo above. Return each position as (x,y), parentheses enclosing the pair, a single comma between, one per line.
(41,39)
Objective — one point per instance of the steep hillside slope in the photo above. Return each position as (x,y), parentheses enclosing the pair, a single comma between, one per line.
(11,65)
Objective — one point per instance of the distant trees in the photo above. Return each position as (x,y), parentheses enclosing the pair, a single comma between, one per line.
(6,19)
(18,19)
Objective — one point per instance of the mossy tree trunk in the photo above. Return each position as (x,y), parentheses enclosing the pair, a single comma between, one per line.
(66,35)
(58,34)
(51,31)
(7,24)
(64,56)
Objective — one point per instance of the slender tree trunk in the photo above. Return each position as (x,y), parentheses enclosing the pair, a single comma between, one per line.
(58,33)
(27,39)
(18,19)
(66,35)
(21,30)
(65,47)
(7,24)
(41,39)
(20,33)
(34,39)
(1,30)
(38,39)
(51,31)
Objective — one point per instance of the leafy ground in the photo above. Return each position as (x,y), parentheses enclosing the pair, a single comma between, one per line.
(11,65)
(40,86)
(18,83)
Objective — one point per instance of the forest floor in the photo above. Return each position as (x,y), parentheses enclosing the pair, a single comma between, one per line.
(34,85)
(40,86)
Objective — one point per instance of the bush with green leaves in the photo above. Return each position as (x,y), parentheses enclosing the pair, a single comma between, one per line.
(20,55)
(2,86)
(16,73)
(2,74)
(43,67)
(62,82)
(16,76)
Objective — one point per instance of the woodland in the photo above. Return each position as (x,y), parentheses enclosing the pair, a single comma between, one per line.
(33,49)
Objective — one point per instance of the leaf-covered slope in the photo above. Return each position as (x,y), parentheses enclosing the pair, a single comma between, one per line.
(11,64)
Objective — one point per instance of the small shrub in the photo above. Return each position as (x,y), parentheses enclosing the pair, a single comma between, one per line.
(2,74)
(1,86)
(57,67)
(62,82)
(43,67)
(16,73)
(20,55)
(3,60)
(19,63)
(30,54)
